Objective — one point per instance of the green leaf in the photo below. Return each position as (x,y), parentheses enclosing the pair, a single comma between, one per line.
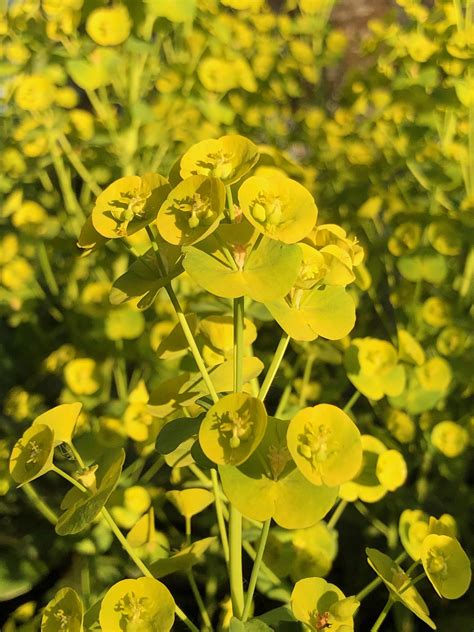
(254,625)
(269,485)
(144,279)
(395,579)
(137,604)
(175,432)
(327,312)
(184,560)
(268,273)
(427,267)
(79,516)
(63,612)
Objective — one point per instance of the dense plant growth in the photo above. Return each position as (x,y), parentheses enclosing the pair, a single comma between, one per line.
(223,408)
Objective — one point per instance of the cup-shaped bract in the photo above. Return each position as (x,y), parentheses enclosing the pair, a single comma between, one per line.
(391,469)
(325,444)
(450,438)
(64,612)
(321,605)
(278,207)
(398,584)
(413,529)
(366,485)
(372,366)
(141,605)
(32,454)
(312,269)
(62,420)
(233,428)
(129,204)
(192,210)
(228,158)
(446,564)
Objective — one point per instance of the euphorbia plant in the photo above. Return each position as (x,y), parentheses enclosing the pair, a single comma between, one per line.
(213,417)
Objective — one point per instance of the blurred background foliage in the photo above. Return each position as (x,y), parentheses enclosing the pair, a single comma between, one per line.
(373,111)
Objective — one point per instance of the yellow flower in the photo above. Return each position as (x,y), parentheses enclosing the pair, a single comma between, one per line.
(109,26)
(83,121)
(66,97)
(34,93)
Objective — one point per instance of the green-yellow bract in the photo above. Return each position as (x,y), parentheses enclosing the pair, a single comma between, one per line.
(129,204)
(32,454)
(269,485)
(372,366)
(325,445)
(141,605)
(278,207)
(190,502)
(321,605)
(265,273)
(446,564)
(398,584)
(62,420)
(192,210)
(228,158)
(64,612)
(450,438)
(233,428)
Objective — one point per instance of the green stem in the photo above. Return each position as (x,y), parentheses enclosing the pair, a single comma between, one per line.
(154,469)
(375,522)
(413,582)
(382,616)
(368,589)
(183,322)
(44,509)
(230,203)
(235,562)
(238,343)
(256,568)
(348,407)
(337,513)
(187,520)
(76,455)
(306,379)
(200,603)
(123,541)
(220,514)
(274,366)
(78,165)
(47,269)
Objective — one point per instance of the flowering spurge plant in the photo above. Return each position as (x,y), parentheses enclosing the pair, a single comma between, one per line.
(212,418)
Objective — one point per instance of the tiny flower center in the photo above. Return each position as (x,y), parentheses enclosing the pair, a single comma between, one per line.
(436,564)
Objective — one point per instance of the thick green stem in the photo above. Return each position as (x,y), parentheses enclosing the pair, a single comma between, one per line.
(382,616)
(274,366)
(230,203)
(238,343)
(220,515)
(235,562)
(256,568)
